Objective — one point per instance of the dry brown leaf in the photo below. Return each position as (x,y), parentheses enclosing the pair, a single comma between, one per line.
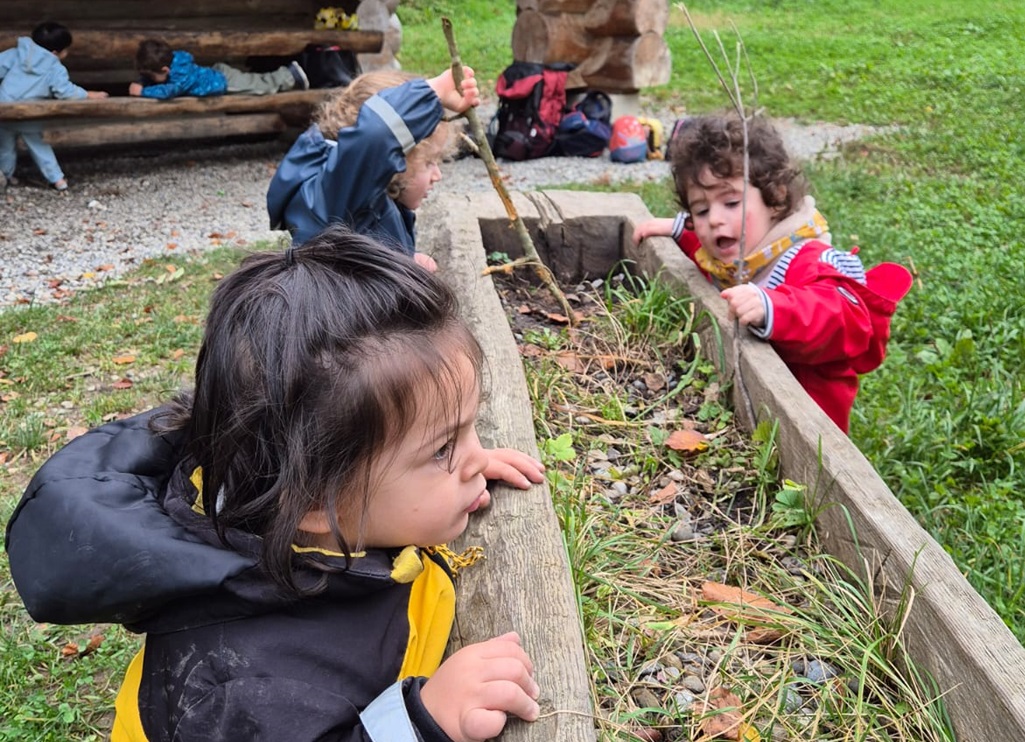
(529,350)
(559,319)
(105,267)
(122,360)
(738,605)
(729,722)
(123,384)
(70,650)
(665,495)
(524,309)
(75,431)
(177,353)
(94,643)
(690,441)
(570,361)
(654,382)
(170,268)
(171,246)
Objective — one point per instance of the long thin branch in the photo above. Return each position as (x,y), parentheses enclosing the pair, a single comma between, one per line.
(736,98)
(531,256)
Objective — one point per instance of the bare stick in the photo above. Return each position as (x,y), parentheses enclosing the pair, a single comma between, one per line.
(530,256)
(736,98)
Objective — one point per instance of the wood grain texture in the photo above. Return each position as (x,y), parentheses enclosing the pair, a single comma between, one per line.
(524,583)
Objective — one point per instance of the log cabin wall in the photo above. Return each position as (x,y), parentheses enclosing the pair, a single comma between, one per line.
(616,45)
(106,34)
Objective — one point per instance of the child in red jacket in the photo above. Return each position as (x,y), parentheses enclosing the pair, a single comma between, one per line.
(768,249)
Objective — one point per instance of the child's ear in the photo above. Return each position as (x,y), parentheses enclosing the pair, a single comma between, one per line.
(316,522)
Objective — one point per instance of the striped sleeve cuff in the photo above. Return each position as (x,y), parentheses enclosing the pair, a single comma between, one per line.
(679,223)
(765,331)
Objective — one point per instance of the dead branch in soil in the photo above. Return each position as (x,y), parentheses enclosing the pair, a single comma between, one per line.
(483,149)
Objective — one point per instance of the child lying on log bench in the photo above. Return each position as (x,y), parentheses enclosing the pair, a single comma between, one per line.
(168,73)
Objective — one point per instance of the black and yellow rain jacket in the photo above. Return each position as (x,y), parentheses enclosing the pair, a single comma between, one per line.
(109,530)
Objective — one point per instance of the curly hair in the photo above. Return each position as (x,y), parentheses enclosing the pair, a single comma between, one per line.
(342,110)
(717,142)
(153,55)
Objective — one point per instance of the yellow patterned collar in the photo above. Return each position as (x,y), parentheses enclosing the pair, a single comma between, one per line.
(806,224)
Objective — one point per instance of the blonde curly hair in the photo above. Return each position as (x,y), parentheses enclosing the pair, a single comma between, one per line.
(342,110)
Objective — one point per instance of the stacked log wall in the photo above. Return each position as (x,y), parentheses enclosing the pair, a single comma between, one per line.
(615,45)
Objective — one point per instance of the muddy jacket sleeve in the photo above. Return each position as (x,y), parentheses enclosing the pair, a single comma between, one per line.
(90,541)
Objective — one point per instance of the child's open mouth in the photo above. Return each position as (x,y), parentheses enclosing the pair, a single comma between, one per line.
(726,247)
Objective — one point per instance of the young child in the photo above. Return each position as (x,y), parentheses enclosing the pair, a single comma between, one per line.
(827,317)
(167,73)
(277,532)
(33,71)
(370,158)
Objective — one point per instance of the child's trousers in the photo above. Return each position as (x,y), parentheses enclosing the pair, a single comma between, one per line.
(41,152)
(256,83)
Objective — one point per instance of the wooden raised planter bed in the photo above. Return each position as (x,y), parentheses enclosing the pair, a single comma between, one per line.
(524,585)
(102,57)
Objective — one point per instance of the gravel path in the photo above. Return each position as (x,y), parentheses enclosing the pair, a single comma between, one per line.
(122,209)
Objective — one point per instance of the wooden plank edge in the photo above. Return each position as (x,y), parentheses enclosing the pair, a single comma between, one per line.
(524,584)
(133,107)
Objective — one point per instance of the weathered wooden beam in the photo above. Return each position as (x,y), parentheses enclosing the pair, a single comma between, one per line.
(131,107)
(97,133)
(27,13)
(524,582)
(93,46)
(627,17)
(624,64)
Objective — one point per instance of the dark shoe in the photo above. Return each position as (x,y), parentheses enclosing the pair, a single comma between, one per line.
(302,82)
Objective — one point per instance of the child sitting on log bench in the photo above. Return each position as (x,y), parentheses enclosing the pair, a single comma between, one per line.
(169,73)
(34,71)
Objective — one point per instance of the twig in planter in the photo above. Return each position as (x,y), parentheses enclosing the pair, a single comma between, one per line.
(736,99)
(484,150)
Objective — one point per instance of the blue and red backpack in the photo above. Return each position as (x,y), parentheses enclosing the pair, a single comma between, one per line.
(585,128)
(530,101)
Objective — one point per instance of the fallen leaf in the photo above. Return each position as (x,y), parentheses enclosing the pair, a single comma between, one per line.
(25,337)
(122,384)
(75,431)
(87,275)
(687,440)
(170,268)
(122,360)
(171,246)
(654,382)
(529,350)
(569,361)
(94,643)
(524,309)
(665,495)
(728,723)
(39,231)
(105,267)
(70,650)
(559,319)
(740,606)
(177,353)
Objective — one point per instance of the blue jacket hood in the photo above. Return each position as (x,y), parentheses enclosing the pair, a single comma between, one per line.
(30,72)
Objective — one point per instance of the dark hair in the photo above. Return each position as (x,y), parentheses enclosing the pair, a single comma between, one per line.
(717,142)
(153,55)
(52,36)
(311,363)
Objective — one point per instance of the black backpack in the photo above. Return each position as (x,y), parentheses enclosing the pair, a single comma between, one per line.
(530,101)
(328,66)
(586,128)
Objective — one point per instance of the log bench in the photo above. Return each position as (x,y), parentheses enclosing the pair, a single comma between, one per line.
(106,35)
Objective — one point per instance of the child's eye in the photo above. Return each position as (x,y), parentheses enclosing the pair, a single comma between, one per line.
(445,452)
(699,212)
(733,204)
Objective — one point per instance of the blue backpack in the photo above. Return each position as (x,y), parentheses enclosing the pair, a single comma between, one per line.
(586,128)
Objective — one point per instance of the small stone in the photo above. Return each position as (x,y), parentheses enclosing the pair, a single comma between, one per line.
(682,533)
(620,488)
(684,699)
(819,671)
(671,660)
(645,699)
(672,674)
(693,683)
